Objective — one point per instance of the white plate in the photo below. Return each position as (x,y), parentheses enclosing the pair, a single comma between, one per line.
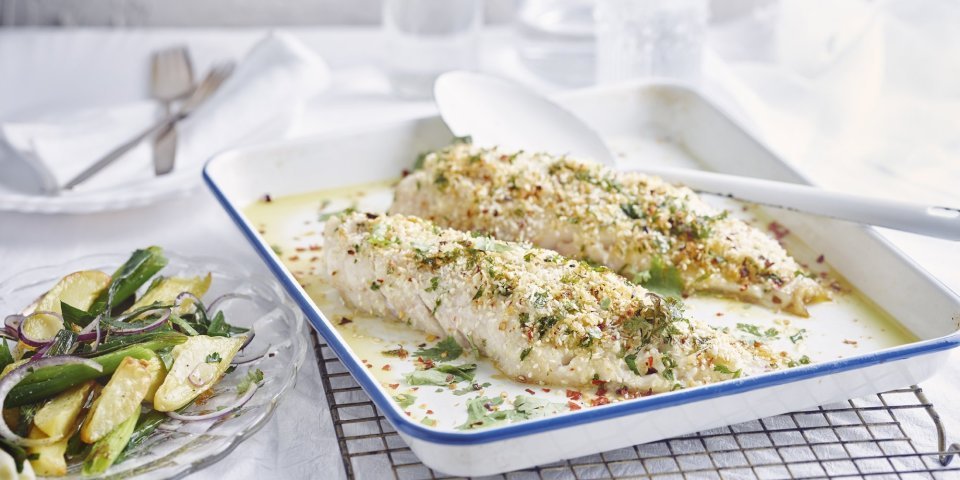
(678,126)
(121,197)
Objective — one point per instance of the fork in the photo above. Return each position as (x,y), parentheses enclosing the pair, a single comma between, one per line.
(218,74)
(171,78)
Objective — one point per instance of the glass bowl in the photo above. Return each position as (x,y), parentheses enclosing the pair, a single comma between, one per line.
(177,449)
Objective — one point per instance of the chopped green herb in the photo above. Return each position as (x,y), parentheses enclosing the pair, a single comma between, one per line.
(479,292)
(276,249)
(484,412)
(799,336)
(214,357)
(429,422)
(755,330)
(405,400)
(525,352)
(630,210)
(434,283)
(532,407)
(473,387)
(398,352)
(632,363)
(254,377)
(374,285)
(726,370)
(444,351)
(663,279)
(442,375)
(605,304)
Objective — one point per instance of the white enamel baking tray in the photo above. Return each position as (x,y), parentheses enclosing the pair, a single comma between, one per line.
(923,306)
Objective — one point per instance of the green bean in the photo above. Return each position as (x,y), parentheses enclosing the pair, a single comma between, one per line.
(49,381)
(140,267)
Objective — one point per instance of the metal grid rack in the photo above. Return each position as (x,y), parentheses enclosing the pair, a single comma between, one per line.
(857,438)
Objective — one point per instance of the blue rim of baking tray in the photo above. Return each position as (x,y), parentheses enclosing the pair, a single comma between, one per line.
(605,412)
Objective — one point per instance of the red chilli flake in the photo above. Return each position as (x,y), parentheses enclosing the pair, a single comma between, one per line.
(820,259)
(573,406)
(345,320)
(267,198)
(393,386)
(531,392)
(574,394)
(778,231)
(386,367)
(596,402)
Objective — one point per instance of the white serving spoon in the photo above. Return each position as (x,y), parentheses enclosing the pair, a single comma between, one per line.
(496,112)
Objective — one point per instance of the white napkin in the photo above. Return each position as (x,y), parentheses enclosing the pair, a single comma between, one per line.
(259,102)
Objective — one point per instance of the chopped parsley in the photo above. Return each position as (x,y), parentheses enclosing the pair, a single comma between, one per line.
(442,375)
(444,351)
(434,283)
(525,352)
(754,330)
(630,210)
(405,400)
(632,363)
(254,377)
(726,370)
(662,279)
(214,358)
(799,336)
(473,387)
(398,352)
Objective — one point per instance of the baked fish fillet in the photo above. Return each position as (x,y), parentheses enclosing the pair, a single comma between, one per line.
(541,317)
(637,225)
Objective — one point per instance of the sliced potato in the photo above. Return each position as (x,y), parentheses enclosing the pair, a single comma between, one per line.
(108,449)
(42,326)
(157,374)
(197,365)
(79,289)
(58,417)
(166,290)
(119,399)
(50,459)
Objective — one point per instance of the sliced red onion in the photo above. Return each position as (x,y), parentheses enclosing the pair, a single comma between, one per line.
(249,339)
(91,326)
(212,308)
(145,328)
(16,375)
(11,324)
(33,342)
(218,413)
(178,302)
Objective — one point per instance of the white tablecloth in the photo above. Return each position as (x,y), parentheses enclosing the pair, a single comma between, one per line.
(47,70)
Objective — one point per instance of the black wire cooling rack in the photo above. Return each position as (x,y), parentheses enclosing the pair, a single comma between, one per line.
(857,438)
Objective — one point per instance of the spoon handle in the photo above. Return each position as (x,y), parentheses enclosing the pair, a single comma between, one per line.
(934,221)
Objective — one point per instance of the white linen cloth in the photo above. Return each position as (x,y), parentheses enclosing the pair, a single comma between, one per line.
(260,101)
(783,107)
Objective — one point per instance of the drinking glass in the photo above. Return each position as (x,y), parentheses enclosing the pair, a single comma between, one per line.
(650,38)
(555,40)
(425,38)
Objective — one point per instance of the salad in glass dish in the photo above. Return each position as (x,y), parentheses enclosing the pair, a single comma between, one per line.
(101,363)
